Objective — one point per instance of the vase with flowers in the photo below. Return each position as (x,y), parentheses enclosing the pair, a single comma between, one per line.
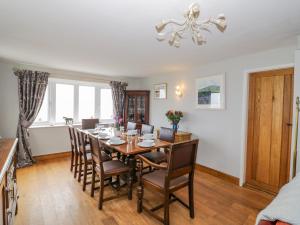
(118,122)
(174,117)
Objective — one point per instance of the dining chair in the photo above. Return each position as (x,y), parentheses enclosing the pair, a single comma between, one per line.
(131,126)
(147,129)
(74,155)
(85,158)
(166,179)
(89,123)
(106,170)
(165,134)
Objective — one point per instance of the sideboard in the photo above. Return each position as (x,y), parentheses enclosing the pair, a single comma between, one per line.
(8,179)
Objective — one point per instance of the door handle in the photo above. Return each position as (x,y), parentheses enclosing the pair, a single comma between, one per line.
(289,124)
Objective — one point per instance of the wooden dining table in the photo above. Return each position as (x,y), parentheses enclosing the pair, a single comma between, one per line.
(130,149)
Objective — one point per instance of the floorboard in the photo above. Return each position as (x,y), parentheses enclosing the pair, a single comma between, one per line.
(50,195)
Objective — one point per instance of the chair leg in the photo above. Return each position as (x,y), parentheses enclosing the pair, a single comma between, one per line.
(84,175)
(129,181)
(166,206)
(93,180)
(100,204)
(80,167)
(76,165)
(191,199)
(72,161)
(118,182)
(140,194)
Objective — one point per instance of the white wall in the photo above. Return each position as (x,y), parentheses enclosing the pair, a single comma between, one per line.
(44,140)
(220,132)
(9,106)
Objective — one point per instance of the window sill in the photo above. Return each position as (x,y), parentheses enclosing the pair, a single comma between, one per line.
(37,126)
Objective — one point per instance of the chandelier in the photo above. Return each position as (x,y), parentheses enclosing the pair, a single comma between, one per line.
(191,24)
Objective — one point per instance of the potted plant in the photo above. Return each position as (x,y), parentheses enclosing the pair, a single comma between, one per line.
(174,117)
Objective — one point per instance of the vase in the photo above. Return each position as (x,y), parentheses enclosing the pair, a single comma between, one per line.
(175,127)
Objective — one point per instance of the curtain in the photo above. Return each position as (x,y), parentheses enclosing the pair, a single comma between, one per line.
(118,95)
(31,90)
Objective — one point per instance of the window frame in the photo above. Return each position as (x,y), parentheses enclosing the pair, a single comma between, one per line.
(52,100)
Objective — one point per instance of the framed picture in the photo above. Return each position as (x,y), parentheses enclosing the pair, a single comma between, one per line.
(210,92)
(160,91)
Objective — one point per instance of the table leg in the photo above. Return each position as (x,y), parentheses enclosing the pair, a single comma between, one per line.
(132,174)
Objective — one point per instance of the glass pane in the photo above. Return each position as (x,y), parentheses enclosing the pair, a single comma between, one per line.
(64,101)
(106,104)
(131,108)
(141,109)
(43,113)
(86,102)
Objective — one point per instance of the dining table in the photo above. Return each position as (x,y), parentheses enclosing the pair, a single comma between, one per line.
(129,149)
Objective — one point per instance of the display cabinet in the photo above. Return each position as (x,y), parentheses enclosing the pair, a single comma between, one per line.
(137,107)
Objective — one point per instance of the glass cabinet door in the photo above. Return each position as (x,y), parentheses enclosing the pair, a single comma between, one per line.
(141,109)
(131,108)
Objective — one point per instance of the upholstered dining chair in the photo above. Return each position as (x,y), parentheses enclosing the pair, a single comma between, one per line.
(85,158)
(106,170)
(166,179)
(147,129)
(131,126)
(89,123)
(165,134)
(74,157)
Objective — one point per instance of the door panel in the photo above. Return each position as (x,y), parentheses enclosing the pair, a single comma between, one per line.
(265,109)
(276,137)
(268,148)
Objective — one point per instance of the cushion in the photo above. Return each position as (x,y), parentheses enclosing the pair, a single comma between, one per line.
(158,179)
(156,157)
(285,206)
(114,167)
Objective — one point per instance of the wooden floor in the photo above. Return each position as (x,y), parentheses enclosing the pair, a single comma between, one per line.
(50,195)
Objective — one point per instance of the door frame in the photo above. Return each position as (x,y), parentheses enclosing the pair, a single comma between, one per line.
(245,101)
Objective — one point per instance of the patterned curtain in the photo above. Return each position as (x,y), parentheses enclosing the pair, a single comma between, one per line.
(118,94)
(31,89)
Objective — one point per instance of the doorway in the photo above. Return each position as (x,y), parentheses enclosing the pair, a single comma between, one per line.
(269,129)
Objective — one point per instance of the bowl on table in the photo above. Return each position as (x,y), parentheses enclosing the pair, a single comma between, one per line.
(103,135)
(146,143)
(148,137)
(116,140)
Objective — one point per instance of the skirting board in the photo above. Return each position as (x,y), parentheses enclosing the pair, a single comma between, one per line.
(52,156)
(218,174)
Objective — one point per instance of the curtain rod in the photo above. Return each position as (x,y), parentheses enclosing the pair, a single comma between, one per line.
(71,75)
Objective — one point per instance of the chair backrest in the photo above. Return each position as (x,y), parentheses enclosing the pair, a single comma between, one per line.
(89,123)
(96,151)
(81,140)
(147,129)
(181,159)
(131,126)
(167,134)
(72,138)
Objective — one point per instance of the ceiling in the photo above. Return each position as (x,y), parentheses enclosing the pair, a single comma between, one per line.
(117,38)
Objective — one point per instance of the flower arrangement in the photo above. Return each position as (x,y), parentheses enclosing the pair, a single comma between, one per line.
(118,122)
(174,117)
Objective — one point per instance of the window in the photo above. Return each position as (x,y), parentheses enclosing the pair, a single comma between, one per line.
(106,104)
(86,102)
(77,100)
(43,113)
(64,99)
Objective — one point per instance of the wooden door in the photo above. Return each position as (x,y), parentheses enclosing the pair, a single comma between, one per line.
(269,129)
